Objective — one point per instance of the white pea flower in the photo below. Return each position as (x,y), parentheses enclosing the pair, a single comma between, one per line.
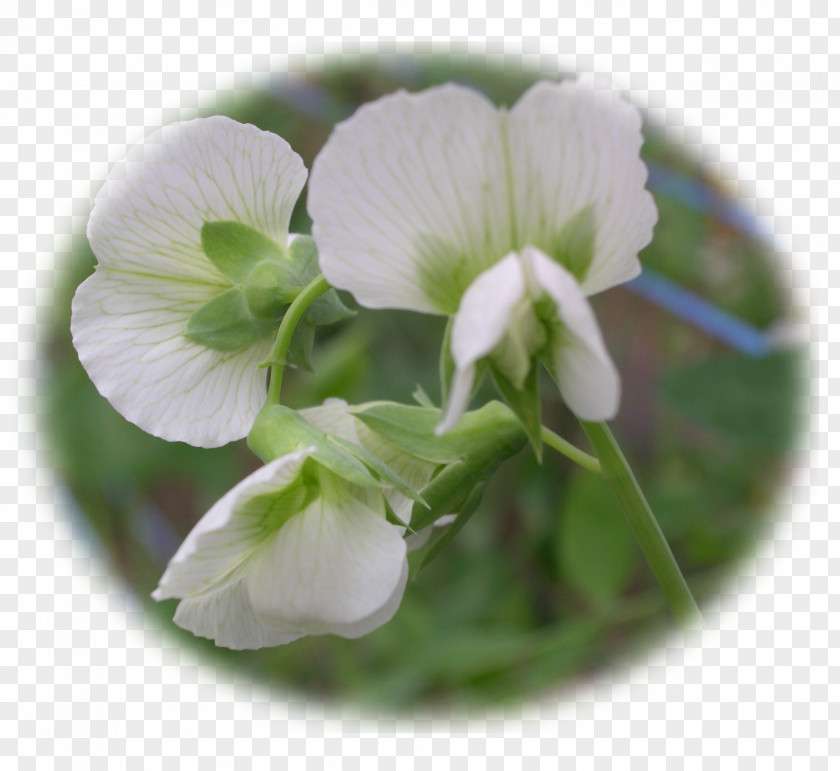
(191,236)
(507,220)
(290,551)
(296,548)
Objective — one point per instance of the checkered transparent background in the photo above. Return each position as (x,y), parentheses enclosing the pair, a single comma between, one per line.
(87,682)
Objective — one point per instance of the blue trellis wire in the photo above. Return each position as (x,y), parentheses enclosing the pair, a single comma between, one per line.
(700,313)
(687,305)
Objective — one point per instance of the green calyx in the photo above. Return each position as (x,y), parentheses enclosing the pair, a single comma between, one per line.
(265,278)
(226,323)
(268,290)
(279,430)
(468,454)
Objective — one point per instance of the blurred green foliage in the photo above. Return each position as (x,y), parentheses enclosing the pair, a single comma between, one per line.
(545,584)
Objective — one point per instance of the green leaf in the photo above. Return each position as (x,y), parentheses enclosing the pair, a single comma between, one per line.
(226,324)
(595,546)
(755,401)
(236,249)
(413,429)
(525,404)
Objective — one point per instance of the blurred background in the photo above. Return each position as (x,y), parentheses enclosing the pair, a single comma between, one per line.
(546,584)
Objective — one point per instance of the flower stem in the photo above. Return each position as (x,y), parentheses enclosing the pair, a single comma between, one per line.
(658,554)
(277,358)
(570,451)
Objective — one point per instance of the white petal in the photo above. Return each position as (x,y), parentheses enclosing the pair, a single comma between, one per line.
(128,331)
(485,311)
(227,617)
(226,536)
(587,377)
(333,565)
(482,320)
(333,417)
(380,616)
(573,147)
(148,216)
(408,199)
(458,400)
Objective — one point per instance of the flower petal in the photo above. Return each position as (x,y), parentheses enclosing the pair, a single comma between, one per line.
(575,152)
(458,400)
(227,617)
(586,375)
(486,309)
(333,565)
(408,199)
(333,417)
(147,218)
(128,331)
(380,616)
(228,533)
(482,320)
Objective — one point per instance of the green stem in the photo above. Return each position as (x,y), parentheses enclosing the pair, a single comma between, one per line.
(570,451)
(658,554)
(277,358)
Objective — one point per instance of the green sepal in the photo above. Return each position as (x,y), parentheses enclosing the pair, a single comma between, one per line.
(412,429)
(447,363)
(448,491)
(378,467)
(391,516)
(267,278)
(303,259)
(300,349)
(236,249)
(327,309)
(525,403)
(226,324)
(279,430)
(468,508)
(422,398)
(268,290)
